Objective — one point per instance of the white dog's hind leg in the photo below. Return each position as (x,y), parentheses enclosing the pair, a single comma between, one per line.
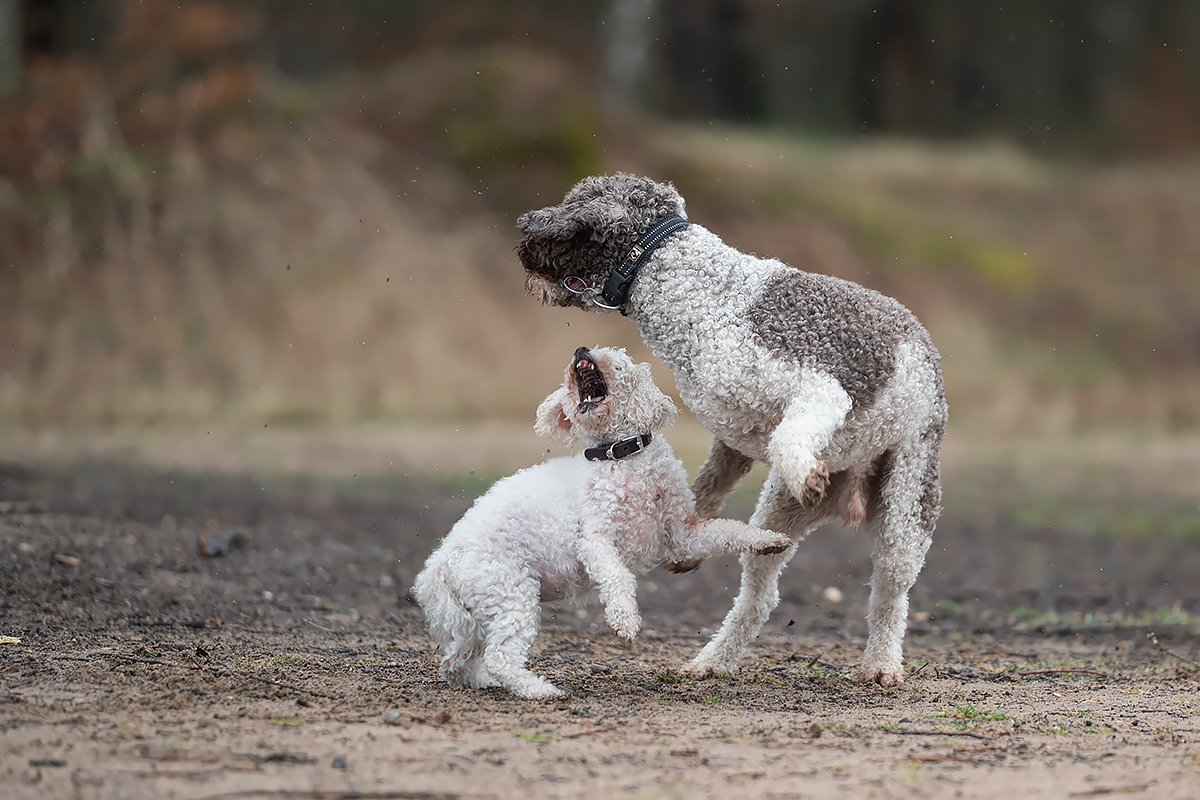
(902,538)
(453,627)
(511,623)
(463,663)
(808,425)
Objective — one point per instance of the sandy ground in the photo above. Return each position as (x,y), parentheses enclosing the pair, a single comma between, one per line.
(291,666)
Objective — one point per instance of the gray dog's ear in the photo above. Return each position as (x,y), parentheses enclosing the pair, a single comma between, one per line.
(607,205)
(551,422)
(549,223)
(566,220)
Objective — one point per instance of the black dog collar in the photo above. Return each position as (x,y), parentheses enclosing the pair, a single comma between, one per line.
(615,451)
(616,289)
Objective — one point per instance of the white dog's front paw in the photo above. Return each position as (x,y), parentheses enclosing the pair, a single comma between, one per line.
(680,567)
(773,543)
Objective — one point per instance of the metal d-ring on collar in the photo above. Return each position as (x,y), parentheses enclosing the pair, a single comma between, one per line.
(616,289)
(615,451)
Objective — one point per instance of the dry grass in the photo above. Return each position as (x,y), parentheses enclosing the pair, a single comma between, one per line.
(289,287)
(310,266)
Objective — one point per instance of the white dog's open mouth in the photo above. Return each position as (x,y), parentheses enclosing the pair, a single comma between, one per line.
(589,379)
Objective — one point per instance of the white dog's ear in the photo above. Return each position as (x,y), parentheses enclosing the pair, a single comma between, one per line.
(552,423)
(665,414)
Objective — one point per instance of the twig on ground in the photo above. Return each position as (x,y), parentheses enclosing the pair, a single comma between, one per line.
(1103,790)
(386,680)
(290,687)
(120,657)
(918,669)
(289,794)
(160,663)
(1029,673)
(1154,641)
(577,734)
(947,757)
(322,627)
(987,748)
(817,660)
(909,732)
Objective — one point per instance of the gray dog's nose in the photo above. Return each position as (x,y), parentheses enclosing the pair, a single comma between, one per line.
(581,353)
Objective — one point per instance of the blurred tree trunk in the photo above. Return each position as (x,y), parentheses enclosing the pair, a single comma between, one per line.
(10,45)
(713,60)
(630,29)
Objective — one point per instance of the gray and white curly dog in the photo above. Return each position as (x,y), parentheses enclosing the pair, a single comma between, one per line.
(836,387)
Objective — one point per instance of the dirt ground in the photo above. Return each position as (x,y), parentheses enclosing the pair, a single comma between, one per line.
(190,634)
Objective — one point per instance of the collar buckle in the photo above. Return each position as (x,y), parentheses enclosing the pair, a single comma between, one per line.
(622,448)
(616,289)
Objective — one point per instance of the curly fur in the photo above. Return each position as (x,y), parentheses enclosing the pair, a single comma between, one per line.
(836,387)
(569,529)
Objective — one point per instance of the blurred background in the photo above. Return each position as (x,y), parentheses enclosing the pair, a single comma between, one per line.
(220,215)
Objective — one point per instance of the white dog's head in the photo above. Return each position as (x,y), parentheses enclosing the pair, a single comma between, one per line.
(589,232)
(604,396)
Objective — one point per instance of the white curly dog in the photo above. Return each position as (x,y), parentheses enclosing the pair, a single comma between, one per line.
(571,527)
(836,387)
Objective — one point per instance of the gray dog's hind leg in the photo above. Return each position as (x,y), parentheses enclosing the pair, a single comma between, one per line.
(719,474)
(759,593)
(903,533)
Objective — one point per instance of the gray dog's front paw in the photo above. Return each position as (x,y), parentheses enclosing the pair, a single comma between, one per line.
(815,485)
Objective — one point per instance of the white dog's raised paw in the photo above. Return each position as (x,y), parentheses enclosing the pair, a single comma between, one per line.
(778,543)
(680,567)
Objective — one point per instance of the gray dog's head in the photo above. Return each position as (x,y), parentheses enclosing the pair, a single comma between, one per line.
(587,235)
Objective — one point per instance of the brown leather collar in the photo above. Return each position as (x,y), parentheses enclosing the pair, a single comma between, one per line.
(615,451)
